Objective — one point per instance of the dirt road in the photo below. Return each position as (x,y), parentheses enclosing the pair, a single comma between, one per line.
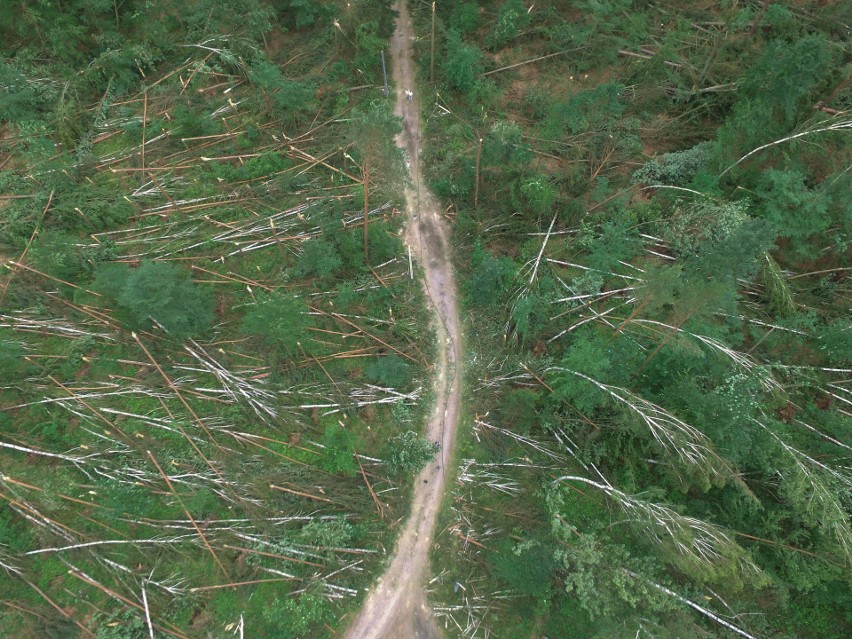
(396,607)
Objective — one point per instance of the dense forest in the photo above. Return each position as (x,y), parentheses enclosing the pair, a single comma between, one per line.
(214,359)
(651,209)
(212,352)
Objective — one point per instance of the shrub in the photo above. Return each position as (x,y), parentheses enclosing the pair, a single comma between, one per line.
(511,17)
(292,618)
(490,278)
(390,370)
(408,453)
(465,17)
(160,292)
(673,168)
(338,454)
(95,207)
(319,257)
(327,533)
(60,254)
(462,63)
(793,209)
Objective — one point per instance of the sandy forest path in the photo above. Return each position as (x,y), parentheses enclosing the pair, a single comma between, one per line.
(396,607)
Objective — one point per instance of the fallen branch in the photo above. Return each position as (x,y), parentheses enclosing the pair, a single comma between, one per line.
(300,494)
(520,64)
(29,243)
(541,252)
(370,488)
(704,611)
(198,530)
(837,126)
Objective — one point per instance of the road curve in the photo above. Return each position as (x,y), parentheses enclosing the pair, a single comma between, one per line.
(396,607)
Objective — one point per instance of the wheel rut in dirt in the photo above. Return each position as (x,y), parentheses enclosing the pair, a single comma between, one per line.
(396,607)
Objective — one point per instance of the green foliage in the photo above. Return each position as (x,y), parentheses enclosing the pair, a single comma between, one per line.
(587,354)
(248,18)
(517,410)
(300,14)
(349,243)
(59,254)
(529,314)
(369,45)
(835,341)
(13,366)
(21,98)
(55,628)
(815,493)
(93,207)
(372,130)
(796,211)
(291,618)
(825,612)
(775,88)
(744,129)
(158,292)
(780,19)
(407,453)
(588,110)
(775,288)
(319,257)
(536,102)
(675,169)
(602,10)
(677,306)
(462,63)
(511,16)
(611,242)
(294,99)
(389,370)
(490,278)
(539,193)
(264,165)
(596,573)
(526,566)
(567,618)
(327,534)
(504,144)
(740,74)
(281,320)
(119,69)
(338,454)
(786,73)
(187,124)
(719,240)
(464,17)
(123,626)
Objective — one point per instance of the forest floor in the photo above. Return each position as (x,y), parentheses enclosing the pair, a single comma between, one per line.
(397,607)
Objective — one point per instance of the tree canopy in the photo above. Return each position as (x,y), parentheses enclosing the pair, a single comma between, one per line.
(160,293)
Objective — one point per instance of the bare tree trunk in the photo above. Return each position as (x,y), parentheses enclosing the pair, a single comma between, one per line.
(476,189)
(432,55)
(144,122)
(365,174)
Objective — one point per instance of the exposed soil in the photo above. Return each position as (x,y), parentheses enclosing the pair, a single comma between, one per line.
(396,608)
